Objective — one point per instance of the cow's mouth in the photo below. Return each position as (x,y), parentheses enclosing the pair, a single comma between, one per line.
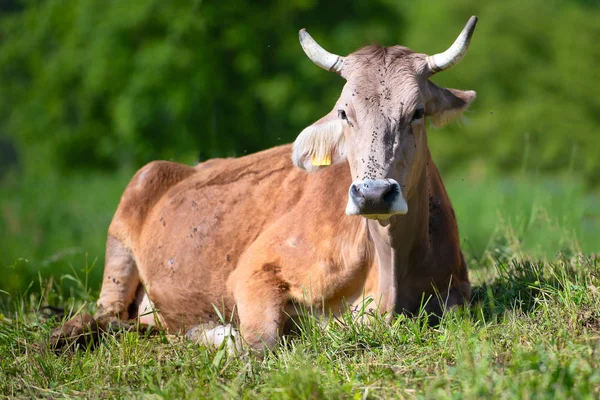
(376,199)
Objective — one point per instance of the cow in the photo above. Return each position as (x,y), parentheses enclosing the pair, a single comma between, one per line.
(354,209)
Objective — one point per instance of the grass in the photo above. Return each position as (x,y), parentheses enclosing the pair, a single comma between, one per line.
(532,331)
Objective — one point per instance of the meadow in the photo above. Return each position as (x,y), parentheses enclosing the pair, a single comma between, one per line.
(93,89)
(532,330)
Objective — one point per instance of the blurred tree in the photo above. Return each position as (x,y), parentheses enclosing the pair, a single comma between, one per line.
(9,159)
(98,84)
(534,65)
(7,6)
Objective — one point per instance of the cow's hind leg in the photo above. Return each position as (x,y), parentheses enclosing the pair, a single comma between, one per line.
(119,286)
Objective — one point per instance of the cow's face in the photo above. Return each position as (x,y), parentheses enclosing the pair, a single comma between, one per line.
(378,123)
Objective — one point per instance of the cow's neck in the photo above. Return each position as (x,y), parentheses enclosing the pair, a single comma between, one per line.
(403,240)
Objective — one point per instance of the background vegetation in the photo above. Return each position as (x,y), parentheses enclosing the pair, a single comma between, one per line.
(91,90)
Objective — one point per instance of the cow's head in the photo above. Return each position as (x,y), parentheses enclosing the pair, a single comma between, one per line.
(378,123)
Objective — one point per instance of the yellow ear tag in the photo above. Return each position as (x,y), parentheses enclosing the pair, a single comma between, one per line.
(326,160)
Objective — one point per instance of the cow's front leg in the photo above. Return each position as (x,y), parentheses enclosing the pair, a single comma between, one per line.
(260,295)
(439,303)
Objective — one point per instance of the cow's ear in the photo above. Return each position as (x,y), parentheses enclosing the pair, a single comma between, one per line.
(445,105)
(320,145)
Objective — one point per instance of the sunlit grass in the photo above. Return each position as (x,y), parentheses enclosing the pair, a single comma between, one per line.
(533,330)
(530,215)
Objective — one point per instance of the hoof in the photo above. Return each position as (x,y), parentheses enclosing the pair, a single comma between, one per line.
(81,330)
(215,337)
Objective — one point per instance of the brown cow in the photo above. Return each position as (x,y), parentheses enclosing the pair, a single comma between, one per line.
(255,237)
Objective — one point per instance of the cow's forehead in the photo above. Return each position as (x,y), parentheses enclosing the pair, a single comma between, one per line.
(385,78)
(382,61)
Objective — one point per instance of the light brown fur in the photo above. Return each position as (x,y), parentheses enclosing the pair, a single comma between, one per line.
(254,236)
(223,237)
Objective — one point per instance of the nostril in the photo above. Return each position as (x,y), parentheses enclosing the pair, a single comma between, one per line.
(391,193)
(354,190)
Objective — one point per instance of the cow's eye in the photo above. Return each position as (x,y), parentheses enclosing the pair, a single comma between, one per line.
(342,115)
(419,113)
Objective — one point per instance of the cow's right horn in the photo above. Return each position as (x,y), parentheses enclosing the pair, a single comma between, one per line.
(320,56)
(456,52)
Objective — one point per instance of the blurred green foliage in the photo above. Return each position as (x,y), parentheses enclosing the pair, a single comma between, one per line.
(100,84)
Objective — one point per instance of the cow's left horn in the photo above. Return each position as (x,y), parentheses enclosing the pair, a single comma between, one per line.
(456,52)
(320,56)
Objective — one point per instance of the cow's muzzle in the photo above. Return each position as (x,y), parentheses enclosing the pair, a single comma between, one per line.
(376,198)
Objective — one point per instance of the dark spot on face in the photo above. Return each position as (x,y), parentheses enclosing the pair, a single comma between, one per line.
(228,257)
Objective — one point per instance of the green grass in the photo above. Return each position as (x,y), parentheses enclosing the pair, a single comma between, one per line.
(536,215)
(533,331)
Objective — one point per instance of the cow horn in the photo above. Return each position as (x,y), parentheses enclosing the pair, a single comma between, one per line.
(320,56)
(456,52)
